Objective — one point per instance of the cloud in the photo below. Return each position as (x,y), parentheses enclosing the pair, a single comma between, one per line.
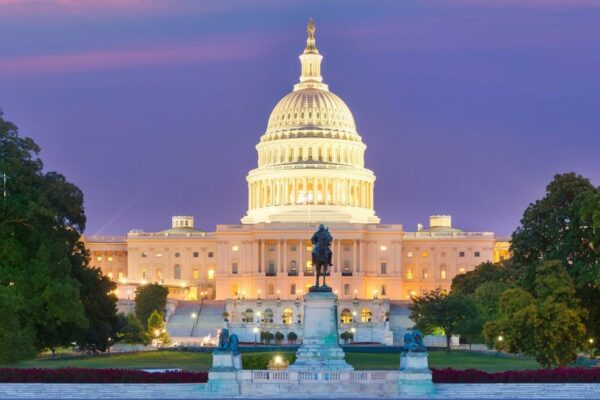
(558,4)
(215,49)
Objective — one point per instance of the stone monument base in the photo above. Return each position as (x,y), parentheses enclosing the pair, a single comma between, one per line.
(226,361)
(320,349)
(414,378)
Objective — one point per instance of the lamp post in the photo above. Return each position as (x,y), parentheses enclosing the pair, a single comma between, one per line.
(156,335)
(255,330)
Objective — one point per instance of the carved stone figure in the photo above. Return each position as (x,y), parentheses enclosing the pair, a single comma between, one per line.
(234,344)
(413,342)
(321,256)
(223,344)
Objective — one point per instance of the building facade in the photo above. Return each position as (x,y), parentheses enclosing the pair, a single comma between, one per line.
(310,170)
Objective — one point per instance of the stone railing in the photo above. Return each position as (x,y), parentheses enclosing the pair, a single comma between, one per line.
(425,235)
(319,376)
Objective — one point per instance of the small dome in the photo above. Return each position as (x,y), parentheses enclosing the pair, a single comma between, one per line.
(310,108)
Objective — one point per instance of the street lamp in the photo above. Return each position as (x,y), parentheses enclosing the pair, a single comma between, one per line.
(354,316)
(500,338)
(156,335)
(255,330)
(194,315)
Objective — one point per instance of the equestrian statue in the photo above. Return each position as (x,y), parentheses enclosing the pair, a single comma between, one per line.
(321,257)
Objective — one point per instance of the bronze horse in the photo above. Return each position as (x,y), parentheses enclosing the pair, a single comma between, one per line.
(321,254)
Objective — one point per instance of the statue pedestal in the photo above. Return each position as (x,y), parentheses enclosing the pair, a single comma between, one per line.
(226,361)
(320,349)
(414,378)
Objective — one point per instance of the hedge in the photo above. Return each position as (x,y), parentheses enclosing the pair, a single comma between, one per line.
(93,375)
(555,375)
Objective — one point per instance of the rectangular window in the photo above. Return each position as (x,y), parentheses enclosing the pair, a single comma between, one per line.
(346,289)
(409,274)
(270,289)
(99,258)
(144,274)
(234,268)
(461,270)
(177,271)
(293,247)
(346,248)
(461,253)
(158,255)
(144,254)
(210,254)
(409,254)
(211,274)
(384,268)
(271,248)
(477,254)
(425,273)
(424,253)
(110,258)
(195,254)
(443,254)
(293,288)
(196,273)
(443,274)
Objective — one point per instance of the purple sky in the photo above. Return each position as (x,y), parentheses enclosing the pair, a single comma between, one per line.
(468,107)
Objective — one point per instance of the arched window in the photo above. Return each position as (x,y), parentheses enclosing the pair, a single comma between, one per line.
(248,316)
(366,315)
(346,316)
(177,271)
(288,316)
(268,316)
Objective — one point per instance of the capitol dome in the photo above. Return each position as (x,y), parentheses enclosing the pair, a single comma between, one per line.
(311,157)
(311,111)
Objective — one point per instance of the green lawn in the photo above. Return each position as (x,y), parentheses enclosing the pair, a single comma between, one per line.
(258,360)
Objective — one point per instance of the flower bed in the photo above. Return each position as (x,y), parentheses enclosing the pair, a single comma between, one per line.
(556,375)
(92,375)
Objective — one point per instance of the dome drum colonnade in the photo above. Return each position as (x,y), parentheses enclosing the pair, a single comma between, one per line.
(311,158)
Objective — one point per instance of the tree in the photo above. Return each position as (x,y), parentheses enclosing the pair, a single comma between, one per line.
(279,337)
(266,337)
(157,329)
(545,324)
(292,337)
(438,310)
(150,298)
(563,225)
(347,336)
(41,222)
(16,336)
(133,331)
(467,283)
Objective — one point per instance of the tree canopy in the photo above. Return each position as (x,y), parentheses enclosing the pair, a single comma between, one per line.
(42,258)
(150,298)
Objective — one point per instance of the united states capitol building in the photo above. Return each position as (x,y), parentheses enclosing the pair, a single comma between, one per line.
(310,170)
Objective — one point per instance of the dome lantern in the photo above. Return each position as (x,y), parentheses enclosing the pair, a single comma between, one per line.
(310,76)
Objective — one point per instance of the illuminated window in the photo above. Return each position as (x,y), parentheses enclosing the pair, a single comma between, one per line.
(443,272)
(211,274)
(309,267)
(177,271)
(409,274)
(425,273)
(235,247)
(99,258)
(110,275)
(158,255)
(383,248)
(346,316)
(234,268)
(461,270)
(409,254)
(121,277)
(309,248)
(196,273)
(424,253)
(412,293)
(110,258)
(366,315)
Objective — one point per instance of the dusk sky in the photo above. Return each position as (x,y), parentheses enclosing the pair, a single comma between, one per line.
(153,108)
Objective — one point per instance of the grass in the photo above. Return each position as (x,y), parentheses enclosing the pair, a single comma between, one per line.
(258,360)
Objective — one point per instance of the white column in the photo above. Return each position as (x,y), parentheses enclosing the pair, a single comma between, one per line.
(314,189)
(279,256)
(285,249)
(262,264)
(354,258)
(301,257)
(363,255)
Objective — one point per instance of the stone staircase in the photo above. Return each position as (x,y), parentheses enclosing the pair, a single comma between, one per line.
(399,320)
(210,319)
(181,323)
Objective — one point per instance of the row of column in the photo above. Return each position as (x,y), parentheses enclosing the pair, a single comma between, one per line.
(286,154)
(282,265)
(299,191)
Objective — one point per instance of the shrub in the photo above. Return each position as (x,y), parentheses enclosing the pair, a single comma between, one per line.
(266,337)
(292,337)
(279,337)
(93,375)
(556,375)
(261,360)
(346,336)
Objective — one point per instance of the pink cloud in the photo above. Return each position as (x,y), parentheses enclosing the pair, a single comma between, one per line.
(520,3)
(234,47)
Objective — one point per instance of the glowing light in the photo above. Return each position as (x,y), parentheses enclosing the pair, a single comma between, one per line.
(278,360)
(500,338)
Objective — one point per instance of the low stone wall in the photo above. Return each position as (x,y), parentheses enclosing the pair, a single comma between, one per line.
(199,391)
